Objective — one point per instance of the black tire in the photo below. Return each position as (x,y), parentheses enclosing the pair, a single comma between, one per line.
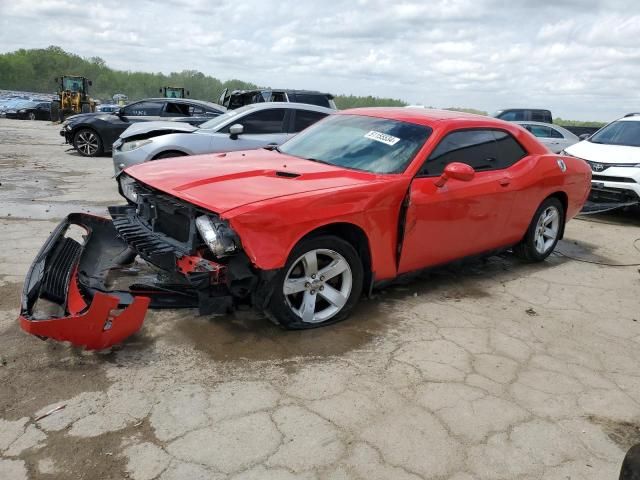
(55,111)
(86,108)
(171,154)
(529,248)
(32,116)
(280,308)
(88,143)
(631,464)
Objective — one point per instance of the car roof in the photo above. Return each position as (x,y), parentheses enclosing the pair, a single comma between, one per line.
(630,118)
(527,109)
(285,90)
(296,105)
(181,100)
(426,116)
(531,122)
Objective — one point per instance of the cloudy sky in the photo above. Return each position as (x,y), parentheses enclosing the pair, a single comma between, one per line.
(579,58)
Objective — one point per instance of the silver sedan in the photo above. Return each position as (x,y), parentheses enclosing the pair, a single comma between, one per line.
(554,137)
(253,126)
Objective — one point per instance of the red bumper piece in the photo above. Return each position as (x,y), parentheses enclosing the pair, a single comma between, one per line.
(99,327)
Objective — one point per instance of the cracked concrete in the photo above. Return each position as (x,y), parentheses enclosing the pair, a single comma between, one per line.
(490,370)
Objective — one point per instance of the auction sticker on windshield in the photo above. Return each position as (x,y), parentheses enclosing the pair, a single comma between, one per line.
(382,137)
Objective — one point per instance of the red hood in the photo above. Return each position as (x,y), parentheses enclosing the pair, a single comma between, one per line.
(224,181)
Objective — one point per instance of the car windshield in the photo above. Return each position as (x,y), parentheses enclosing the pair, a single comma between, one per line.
(214,123)
(619,133)
(371,144)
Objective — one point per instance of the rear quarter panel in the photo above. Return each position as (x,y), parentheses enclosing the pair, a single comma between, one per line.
(540,177)
(270,229)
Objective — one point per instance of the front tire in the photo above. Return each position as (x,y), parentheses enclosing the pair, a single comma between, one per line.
(319,285)
(543,232)
(87,142)
(32,116)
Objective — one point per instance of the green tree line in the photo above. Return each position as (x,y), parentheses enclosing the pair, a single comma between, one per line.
(34,70)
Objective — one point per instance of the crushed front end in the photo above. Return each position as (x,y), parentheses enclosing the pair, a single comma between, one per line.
(94,278)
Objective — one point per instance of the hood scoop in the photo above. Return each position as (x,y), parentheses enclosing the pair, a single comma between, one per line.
(280,173)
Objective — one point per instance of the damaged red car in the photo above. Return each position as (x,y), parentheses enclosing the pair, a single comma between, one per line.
(301,231)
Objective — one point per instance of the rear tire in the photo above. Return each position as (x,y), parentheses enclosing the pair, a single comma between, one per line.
(543,233)
(87,142)
(319,285)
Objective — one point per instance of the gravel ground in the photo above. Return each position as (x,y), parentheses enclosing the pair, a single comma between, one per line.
(489,370)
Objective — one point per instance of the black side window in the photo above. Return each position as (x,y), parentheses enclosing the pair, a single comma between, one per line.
(142,109)
(512,116)
(509,150)
(482,149)
(304,118)
(177,110)
(264,121)
(540,116)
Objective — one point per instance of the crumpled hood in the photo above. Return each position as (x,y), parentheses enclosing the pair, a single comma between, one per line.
(224,181)
(601,153)
(142,128)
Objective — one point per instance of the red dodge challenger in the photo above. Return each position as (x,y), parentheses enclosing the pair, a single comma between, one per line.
(300,231)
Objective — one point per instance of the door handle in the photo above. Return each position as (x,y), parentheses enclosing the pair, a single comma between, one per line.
(505,182)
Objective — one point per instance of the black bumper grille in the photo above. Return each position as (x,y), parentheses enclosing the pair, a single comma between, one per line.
(155,247)
(56,278)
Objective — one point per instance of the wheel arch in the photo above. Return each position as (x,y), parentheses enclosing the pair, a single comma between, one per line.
(354,235)
(564,200)
(173,150)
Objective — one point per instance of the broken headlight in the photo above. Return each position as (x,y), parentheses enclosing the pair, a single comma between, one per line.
(128,146)
(128,188)
(219,237)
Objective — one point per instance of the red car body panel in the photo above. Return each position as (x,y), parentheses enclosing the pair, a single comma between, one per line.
(271,213)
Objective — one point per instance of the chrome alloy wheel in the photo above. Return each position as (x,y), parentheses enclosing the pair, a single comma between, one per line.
(87,143)
(547,229)
(318,285)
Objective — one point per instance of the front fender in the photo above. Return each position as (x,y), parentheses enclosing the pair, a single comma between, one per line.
(269,230)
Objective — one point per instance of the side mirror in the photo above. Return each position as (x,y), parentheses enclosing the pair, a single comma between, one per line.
(160,90)
(235,130)
(55,80)
(188,93)
(120,112)
(584,136)
(456,171)
(90,83)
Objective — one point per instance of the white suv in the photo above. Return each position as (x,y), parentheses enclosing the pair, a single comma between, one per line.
(613,153)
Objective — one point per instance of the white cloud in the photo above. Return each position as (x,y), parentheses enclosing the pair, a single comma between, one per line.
(580,58)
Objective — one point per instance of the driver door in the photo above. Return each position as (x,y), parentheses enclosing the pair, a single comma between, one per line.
(461,218)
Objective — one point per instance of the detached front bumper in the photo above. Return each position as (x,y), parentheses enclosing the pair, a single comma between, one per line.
(87,286)
(67,294)
(65,277)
